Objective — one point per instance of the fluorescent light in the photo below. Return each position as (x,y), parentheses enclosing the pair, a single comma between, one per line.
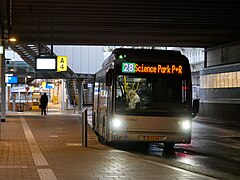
(12,39)
(1,49)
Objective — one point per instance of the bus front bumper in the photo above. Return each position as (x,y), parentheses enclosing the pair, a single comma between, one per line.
(173,137)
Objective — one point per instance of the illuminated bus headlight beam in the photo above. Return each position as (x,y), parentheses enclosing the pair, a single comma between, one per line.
(186,125)
(117,123)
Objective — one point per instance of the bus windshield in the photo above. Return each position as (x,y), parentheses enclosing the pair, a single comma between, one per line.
(151,95)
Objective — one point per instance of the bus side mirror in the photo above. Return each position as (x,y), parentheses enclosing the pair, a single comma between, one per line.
(195,108)
(109,77)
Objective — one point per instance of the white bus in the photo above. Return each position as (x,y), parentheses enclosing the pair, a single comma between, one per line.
(161,110)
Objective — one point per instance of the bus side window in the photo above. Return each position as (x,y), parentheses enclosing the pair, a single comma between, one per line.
(109,77)
(120,99)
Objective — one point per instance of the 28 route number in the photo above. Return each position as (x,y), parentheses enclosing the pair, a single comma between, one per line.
(128,67)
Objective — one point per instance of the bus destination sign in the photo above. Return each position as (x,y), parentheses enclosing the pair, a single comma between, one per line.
(128,67)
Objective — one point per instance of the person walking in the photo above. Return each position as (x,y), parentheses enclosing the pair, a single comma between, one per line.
(44,102)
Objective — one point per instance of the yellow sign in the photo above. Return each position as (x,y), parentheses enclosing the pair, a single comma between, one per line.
(55,99)
(44,84)
(62,63)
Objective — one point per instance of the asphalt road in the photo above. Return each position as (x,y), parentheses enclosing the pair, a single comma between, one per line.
(214,151)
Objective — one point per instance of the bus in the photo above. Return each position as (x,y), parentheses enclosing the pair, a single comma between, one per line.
(159,81)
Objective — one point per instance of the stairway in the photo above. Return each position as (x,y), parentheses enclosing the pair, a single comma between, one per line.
(72,90)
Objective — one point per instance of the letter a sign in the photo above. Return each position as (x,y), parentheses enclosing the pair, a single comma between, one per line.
(62,63)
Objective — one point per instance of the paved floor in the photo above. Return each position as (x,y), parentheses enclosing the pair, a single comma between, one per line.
(49,148)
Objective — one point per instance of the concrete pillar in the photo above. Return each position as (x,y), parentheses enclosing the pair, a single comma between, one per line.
(3,86)
(13,102)
(205,58)
(63,95)
(8,93)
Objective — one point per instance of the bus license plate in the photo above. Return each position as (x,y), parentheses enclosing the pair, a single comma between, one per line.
(153,138)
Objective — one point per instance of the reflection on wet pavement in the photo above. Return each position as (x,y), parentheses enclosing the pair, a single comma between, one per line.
(180,154)
(185,157)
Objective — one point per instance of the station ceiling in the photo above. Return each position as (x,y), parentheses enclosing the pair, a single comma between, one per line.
(198,23)
(171,23)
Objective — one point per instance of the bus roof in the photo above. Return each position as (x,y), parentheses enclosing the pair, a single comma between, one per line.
(144,55)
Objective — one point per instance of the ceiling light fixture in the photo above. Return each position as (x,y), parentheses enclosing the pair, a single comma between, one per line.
(12,39)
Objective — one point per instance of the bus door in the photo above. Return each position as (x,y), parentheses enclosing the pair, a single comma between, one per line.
(109,111)
(102,107)
(97,106)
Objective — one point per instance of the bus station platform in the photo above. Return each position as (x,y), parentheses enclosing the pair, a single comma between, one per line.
(35,146)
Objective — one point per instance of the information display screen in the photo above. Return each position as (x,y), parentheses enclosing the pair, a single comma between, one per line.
(46,64)
(137,68)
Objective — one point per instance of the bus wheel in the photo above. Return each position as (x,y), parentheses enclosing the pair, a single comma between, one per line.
(102,140)
(168,149)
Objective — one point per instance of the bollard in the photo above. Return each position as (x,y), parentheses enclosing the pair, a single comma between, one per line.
(84,127)
(74,106)
(13,105)
(66,104)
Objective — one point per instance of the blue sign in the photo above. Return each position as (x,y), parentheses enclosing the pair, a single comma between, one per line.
(49,85)
(12,80)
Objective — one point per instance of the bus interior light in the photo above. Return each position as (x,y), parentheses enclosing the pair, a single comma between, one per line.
(120,56)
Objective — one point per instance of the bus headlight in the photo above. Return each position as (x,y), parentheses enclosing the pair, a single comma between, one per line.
(116,123)
(186,125)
